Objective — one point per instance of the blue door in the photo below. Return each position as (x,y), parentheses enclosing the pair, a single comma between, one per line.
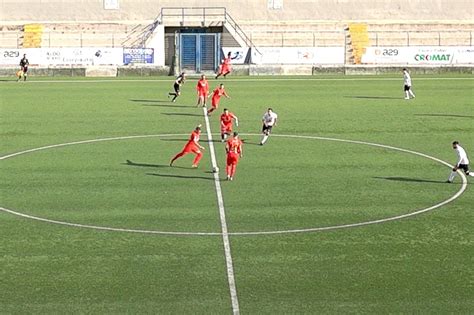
(198,52)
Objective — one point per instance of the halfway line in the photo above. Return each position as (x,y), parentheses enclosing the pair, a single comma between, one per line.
(225,233)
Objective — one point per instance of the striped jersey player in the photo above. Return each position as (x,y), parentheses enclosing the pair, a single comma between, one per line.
(407,84)
(462,163)
(269,120)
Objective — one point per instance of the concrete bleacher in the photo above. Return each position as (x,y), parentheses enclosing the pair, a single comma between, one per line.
(92,35)
(283,33)
(317,33)
(421,34)
(294,33)
(358,40)
(32,34)
(10,36)
(55,35)
(297,38)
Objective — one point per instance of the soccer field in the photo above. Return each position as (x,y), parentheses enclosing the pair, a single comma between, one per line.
(344,210)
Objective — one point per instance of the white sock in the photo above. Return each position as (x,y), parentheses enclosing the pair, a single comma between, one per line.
(411,93)
(471,174)
(264,139)
(406,94)
(451,176)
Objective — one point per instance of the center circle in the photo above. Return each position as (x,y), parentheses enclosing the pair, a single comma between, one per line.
(315,229)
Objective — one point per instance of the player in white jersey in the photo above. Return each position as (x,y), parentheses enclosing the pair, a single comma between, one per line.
(407,84)
(269,120)
(462,163)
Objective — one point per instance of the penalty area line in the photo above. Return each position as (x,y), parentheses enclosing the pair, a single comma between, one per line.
(225,232)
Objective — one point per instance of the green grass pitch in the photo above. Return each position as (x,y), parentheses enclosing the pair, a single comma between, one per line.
(421,264)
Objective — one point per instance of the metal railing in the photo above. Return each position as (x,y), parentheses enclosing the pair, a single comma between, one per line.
(420,38)
(185,15)
(323,38)
(54,39)
(10,39)
(204,16)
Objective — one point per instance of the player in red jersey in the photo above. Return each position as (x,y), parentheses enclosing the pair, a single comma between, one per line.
(192,146)
(202,91)
(225,67)
(226,124)
(234,151)
(216,97)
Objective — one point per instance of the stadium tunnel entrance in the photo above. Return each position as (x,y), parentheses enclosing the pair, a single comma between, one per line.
(193,50)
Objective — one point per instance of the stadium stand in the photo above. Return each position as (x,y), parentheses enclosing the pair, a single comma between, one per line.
(295,33)
(285,34)
(358,40)
(32,35)
(353,24)
(10,36)
(69,23)
(91,34)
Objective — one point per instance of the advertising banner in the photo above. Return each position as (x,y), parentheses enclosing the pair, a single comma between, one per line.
(299,55)
(11,57)
(138,55)
(238,54)
(63,56)
(419,55)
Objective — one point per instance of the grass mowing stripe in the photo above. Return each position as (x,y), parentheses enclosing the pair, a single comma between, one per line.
(225,233)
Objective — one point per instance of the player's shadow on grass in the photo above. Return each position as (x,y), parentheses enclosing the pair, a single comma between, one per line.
(181,114)
(411,180)
(159,105)
(245,141)
(181,176)
(373,97)
(149,101)
(130,163)
(175,140)
(215,141)
(445,115)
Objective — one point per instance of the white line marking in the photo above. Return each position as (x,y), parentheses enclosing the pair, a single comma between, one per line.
(225,233)
(319,229)
(455,196)
(104,228)
(246,79)
(84,142)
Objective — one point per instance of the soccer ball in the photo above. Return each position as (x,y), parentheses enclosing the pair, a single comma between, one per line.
(215,169)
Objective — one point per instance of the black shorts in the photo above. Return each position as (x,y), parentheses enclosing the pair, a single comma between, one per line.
(465,168)
(266,129)
(176,87)
(24,69)
(407,88)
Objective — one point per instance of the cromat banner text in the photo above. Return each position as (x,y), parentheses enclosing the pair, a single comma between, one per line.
(420,55)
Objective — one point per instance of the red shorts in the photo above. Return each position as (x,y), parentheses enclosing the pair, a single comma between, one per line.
(202,93)
(215,102)
(225,68)
(226,128)
(232,158)
(191,148)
